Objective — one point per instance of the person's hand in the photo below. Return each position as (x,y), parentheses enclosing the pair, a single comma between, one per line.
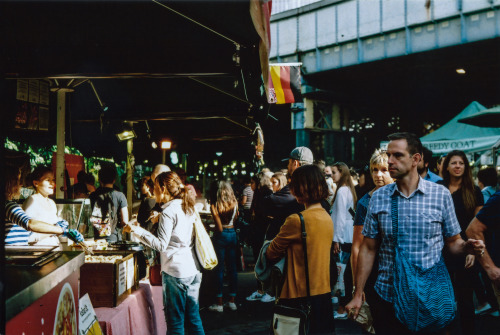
(154,217)
(74,235)
(127,228)
(353,307)
(469,261)
(336,248)
(475,246)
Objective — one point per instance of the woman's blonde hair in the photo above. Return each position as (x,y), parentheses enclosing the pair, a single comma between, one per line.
(281,179)
(175,189)
(226,201)
(379,158)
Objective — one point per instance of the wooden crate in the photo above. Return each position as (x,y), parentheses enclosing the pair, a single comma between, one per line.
(109,284)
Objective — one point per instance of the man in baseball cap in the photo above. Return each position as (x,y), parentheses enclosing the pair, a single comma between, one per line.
(298,157)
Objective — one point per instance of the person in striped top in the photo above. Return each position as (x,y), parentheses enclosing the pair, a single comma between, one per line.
(18,225)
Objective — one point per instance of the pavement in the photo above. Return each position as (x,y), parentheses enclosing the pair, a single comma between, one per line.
(254,317)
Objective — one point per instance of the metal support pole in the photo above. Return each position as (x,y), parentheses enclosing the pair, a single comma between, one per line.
(130,173)
(61,134)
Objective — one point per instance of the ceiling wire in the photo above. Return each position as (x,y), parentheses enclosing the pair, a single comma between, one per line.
(198,23)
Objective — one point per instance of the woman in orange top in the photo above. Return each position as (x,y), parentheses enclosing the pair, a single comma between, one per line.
(309,187)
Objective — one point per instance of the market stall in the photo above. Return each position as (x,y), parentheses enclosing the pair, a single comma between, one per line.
(455,135)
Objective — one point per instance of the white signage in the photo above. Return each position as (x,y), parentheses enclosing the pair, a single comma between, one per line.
(122,277)
(88,323)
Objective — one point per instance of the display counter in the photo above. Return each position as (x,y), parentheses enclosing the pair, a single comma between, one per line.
(42,291)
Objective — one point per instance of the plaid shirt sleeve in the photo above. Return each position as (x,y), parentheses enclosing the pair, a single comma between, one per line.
(451,227)
(371,227)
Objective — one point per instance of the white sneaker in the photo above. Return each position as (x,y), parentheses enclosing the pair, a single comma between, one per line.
(267,298)
(232,306)
(216,308)
(339,316)
(255,296)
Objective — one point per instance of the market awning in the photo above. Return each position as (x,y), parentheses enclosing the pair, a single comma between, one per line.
(186,66)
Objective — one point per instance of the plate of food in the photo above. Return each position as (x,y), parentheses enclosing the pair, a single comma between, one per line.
(65,322)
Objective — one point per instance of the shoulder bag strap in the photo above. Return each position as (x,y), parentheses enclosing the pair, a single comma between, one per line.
(394,216)
(304,246)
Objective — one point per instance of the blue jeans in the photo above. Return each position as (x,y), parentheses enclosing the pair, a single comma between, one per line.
(225,244)
(180,301)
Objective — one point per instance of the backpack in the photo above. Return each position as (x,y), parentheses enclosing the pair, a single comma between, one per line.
(103,217)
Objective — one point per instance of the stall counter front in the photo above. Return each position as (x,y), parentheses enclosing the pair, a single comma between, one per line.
(43,298)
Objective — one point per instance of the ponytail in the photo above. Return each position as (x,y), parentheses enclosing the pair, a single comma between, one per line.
(176,190)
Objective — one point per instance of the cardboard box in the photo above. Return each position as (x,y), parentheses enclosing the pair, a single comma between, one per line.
(108,284)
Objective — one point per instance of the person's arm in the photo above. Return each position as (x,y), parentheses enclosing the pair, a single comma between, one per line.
(124,214)
(42,227)
(243,200)
(366,258)
(165,228)
(289,232)
(215,214)
(476,230)
(357,240)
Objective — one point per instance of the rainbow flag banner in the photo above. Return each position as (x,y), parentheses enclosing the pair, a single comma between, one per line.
(284,83)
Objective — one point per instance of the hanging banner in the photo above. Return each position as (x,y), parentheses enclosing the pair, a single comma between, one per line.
(284,83)
(34,91)
(22,89)
(467,145)
(44,93)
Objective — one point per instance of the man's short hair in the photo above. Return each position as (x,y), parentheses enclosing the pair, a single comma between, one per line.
(488,176)
(427,155)
(107,174)
(414,144)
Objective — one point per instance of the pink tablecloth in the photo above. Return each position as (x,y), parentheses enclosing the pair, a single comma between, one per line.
(141,313)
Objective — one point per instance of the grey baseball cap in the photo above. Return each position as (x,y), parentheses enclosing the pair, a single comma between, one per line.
(302,154)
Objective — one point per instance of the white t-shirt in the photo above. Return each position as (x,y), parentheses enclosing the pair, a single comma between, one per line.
(43,209)
(343,224)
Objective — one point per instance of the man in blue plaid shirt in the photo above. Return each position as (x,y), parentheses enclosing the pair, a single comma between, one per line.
(427,222)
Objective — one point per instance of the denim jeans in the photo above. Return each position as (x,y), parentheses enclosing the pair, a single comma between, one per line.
(180,299)
(225,244)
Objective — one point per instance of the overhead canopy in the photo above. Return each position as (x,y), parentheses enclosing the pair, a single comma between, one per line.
(459,136)
(193,68)
(486,118)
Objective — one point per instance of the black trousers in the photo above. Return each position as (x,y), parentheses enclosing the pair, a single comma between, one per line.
(321,317)
(385,321)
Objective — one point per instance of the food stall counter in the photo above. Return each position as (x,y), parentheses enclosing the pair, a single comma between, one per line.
(42,287)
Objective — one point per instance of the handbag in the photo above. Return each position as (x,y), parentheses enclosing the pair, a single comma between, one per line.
(423,298)
(155,275)
(203,245)
(294,320)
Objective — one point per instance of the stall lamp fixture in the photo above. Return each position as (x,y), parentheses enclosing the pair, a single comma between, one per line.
(126,135)
(218,154)
(154,145)
(460,71)
(166,145)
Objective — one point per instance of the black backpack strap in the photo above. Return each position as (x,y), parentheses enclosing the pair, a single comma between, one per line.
(304,246)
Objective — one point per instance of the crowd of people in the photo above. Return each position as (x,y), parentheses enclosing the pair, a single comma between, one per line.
(349,219)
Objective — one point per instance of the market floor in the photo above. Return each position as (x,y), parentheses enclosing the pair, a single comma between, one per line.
(253,317)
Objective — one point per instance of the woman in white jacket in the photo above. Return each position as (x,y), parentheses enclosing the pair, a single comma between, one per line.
(180,270)
(344,202)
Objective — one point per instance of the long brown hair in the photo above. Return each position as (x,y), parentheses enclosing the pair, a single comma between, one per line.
(467,184)
(345,180)
(226,201)
(176,190)
(12,174)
